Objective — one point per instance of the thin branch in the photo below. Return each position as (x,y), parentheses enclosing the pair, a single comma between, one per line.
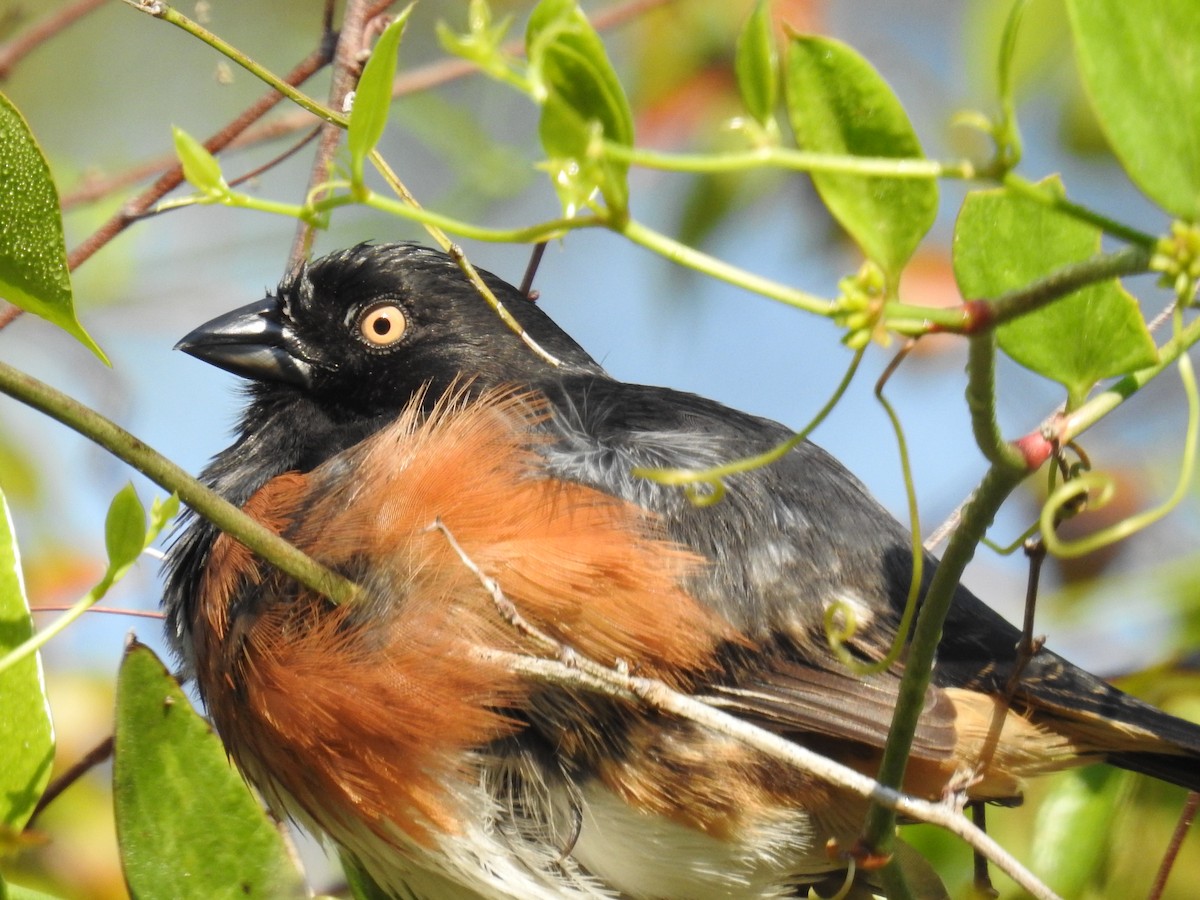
(1065,428)
(173,177)
(108,610)
(85,764)
(423,78)
(723,271)
(1055,200)
(167,13)
(347,66)
(775,156)
(1186,816)
(41,31)
(975,316)
(1006,472)
(227,517)
(571,669)
(277,159)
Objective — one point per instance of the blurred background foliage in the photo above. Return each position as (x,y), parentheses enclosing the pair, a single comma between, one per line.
(102,96)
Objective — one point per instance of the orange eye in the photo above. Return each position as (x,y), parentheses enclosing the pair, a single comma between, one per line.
(382,325)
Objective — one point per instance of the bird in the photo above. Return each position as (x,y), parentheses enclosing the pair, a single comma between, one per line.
(398,432)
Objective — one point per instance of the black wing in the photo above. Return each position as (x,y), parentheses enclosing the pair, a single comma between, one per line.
(791,538)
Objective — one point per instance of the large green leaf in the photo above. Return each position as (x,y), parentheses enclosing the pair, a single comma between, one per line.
(582,103)
(33,253)
(1003,242)
(187,825)
(1140,63)
(838,103)
(26,732)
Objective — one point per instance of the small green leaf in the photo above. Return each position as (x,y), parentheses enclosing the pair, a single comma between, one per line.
(200,167)
(187,825)
(757,65)
(373,98)
(162,512)
(124,530)
(1140,64)
(1003,242)
(26,731)
(583,104)
(482,42)
(33,252)
(838,103)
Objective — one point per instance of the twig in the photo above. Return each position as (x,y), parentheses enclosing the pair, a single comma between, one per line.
(277,159)
(1028,645)
(535,261)
(173,177)
(346,68)
(982,879)
(89,761)
(571,669)
(424,78)
(41,31)
(1186,816)
(1006,472)
(110,610)
(227,517)
(456,253)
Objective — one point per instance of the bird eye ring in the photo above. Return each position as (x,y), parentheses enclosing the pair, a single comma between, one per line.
(382,325)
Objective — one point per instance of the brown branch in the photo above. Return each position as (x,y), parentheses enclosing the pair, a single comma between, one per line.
(1186,816)
(243,131)
(173,177)
(90,760)
(92,186)
(569,668)
(41,31)
(413,81)
(291,151)
(347,66)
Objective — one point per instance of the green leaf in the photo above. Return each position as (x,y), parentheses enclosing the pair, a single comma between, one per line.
(583,104)
(757,65)
(373,98)
(33,252)
(200,167)
(1003,242)
(124,529)
(1140,64)
(186,823)
(26,731)
(482,44)
(838,103)
(162,512)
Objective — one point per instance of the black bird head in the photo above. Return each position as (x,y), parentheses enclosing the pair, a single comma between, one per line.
(335,354)
(361,331)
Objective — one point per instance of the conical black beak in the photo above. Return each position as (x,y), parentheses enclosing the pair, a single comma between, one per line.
(251,342)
